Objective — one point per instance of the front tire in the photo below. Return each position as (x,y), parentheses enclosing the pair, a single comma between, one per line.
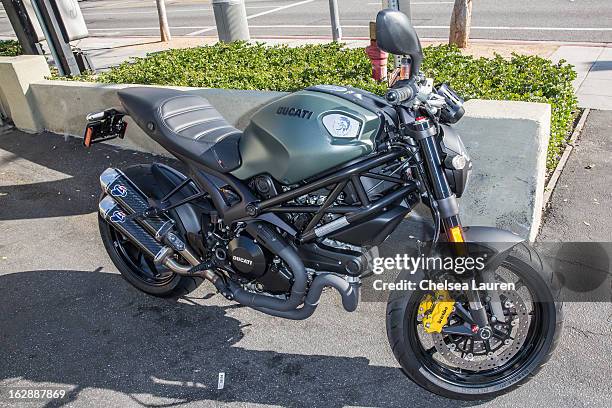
(438,376)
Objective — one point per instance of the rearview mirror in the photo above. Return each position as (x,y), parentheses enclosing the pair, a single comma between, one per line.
(396,35)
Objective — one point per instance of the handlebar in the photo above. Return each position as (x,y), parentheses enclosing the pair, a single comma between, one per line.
(396,96)
(399,95)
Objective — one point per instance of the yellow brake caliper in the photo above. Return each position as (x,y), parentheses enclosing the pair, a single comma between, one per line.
(435,310)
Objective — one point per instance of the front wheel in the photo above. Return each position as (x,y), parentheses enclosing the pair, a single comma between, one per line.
(464,366)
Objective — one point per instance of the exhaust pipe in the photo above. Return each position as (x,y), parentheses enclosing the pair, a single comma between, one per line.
(154,237)
(115,215)
(117,185)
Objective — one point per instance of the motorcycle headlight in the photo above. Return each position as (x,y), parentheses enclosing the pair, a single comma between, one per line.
(457,162)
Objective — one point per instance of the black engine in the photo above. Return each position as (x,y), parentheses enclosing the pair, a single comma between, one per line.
(255,263)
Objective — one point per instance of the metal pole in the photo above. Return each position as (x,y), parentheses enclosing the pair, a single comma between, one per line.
(164,28)
(24,30)
(58,45)
(231,20)
(404,7)
(335,20)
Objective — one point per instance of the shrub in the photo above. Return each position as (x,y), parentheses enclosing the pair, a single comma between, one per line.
(282,68)
(10,48)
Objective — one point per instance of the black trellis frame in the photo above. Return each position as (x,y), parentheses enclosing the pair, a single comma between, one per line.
(337,181)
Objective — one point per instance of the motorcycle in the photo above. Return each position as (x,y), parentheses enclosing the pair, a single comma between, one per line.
(274,214)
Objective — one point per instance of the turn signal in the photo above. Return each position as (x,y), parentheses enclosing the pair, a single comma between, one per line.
(88,134)
(455,234)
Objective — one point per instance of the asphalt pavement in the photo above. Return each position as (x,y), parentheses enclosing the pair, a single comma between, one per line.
(551,20)
(67,318)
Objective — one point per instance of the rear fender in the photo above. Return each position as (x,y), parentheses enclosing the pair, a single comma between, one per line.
(156,180)
(188,214)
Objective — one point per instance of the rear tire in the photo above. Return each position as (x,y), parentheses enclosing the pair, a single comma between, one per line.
(139,272)
(401,323)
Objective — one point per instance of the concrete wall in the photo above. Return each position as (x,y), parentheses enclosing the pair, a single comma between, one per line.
(507,141)
(16,76)
(74,100)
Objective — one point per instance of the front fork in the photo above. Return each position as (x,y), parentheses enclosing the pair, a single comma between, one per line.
(424,133)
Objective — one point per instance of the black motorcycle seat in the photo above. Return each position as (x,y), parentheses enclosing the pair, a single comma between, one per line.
(186,125)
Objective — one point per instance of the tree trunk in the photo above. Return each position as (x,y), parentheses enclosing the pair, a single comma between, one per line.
(461,21)
(164,30)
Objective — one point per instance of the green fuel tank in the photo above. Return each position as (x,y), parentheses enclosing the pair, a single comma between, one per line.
(307,132)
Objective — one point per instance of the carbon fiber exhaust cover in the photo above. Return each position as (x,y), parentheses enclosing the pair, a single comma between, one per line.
(117,185)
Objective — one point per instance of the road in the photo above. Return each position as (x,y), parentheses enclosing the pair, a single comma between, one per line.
(68,320)
(558,20)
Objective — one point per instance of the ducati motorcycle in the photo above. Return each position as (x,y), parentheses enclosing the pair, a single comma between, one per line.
(274,214)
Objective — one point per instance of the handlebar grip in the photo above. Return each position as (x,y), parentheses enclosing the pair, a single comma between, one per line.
(399,95)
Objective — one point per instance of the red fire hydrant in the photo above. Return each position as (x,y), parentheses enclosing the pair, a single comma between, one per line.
(377,56)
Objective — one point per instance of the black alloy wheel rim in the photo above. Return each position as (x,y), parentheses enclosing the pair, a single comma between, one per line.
(140,266)
(459,377)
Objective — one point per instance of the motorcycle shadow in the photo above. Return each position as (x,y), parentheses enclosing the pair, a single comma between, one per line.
(85,330)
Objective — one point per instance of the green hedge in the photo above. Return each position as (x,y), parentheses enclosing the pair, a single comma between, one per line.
(282,68)
(10,48)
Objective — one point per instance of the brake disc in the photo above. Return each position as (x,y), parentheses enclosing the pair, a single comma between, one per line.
(515,335)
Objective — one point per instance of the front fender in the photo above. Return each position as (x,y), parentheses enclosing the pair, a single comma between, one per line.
(496,243)
(501,240)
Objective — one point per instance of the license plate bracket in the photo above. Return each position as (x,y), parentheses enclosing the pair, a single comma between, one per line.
(103,126)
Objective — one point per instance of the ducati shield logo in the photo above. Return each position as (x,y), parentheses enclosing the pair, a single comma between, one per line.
(118,217)
(119,191)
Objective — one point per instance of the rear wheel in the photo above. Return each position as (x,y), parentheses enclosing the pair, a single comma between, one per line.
(138,269)
(466,367)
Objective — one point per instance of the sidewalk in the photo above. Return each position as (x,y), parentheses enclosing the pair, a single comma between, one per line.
(594,67)
(580,206)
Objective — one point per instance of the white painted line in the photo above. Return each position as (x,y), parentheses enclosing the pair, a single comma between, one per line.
(417,3)
(303,26)
(211,28)
(142,28)
(445,27)
(531,28)
(169,11)
(263,13)
(96,11)
(205,30)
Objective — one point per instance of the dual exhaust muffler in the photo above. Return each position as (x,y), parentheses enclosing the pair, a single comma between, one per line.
(123,207)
